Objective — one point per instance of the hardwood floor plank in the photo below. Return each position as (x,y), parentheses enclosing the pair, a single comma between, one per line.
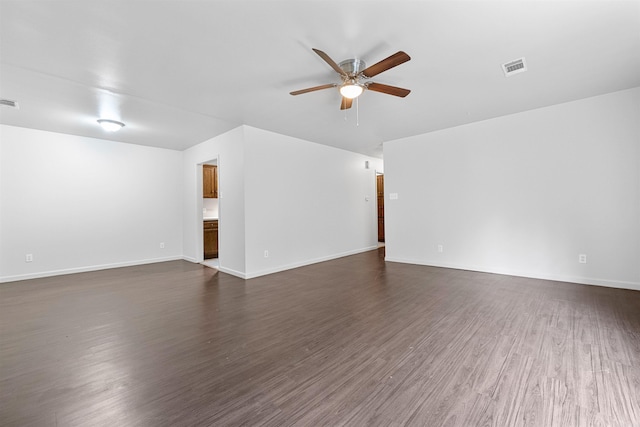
(353,341)
(514,389)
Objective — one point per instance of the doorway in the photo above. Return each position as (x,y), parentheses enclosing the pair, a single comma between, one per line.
(380,198)
(210,213)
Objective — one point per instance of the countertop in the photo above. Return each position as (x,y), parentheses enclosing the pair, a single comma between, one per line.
(210,218)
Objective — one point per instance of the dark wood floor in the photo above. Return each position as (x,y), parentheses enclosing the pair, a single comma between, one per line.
(353,341)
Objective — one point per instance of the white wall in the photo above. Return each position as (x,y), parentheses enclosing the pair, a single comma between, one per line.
(301,201)
(524,194)
(305,202)
(228,149)
(80,204)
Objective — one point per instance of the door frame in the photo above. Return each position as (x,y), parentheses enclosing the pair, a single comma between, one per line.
(380,174)
(200,214)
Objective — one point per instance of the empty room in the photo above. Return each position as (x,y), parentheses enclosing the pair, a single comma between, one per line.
(319,213)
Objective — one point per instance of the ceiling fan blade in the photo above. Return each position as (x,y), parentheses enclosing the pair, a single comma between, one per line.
(387,63)
(330,62)
(313,89)
(389,90)
(346,103)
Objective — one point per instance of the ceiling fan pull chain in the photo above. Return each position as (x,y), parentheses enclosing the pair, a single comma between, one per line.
(357,111)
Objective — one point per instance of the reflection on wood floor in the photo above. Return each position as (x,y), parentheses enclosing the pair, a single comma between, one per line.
(354,341)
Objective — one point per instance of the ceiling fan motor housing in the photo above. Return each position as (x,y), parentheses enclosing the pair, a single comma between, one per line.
(352,66)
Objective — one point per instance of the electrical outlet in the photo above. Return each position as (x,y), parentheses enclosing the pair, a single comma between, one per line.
(393,196)
(440,248)
(28,258)
(266,254)
(582,258)
(161,245)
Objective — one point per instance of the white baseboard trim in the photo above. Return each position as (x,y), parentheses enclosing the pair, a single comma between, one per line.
(252,275)
(635,286)
(219,268)
(232,272)
(38,275)
(5,279)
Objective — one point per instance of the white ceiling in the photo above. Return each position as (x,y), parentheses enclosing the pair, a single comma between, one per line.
(180,72)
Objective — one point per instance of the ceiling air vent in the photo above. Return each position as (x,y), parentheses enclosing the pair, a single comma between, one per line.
(9,103)
(514,67)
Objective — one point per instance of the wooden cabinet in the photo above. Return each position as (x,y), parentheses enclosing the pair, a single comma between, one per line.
(210,239)
(210,181)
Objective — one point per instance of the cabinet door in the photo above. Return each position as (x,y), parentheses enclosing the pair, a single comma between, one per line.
(214,181)
(208,243)
(210,239)
(215,239)
(207,181)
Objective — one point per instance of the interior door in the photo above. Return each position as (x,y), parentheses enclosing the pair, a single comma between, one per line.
(380,193)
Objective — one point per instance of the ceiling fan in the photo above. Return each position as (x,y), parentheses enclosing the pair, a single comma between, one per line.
(354,74)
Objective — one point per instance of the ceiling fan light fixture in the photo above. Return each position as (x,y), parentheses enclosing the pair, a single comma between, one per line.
(110,125)
(353,73)
(351,90)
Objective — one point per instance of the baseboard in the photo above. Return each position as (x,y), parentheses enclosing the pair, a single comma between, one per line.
(285,267)
(635,286)
(5,279)
(222,269)
(232,272)
(219,268)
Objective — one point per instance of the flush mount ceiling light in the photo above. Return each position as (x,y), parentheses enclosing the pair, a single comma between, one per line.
(110,125)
